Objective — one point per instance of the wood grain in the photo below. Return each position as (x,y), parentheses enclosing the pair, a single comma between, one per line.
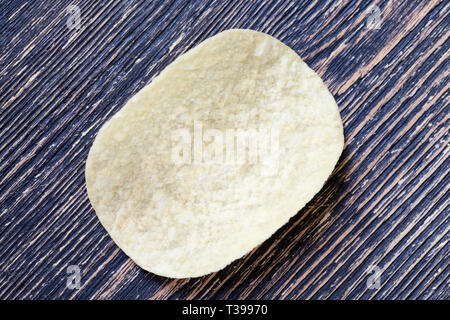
(386,205)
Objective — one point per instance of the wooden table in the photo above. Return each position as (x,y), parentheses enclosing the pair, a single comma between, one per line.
(379,228)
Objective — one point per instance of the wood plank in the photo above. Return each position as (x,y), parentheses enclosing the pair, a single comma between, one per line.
(387,203)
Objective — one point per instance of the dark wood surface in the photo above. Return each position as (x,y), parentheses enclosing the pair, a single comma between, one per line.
(386,205)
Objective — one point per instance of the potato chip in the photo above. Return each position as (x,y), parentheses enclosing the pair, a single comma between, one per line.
(219,151)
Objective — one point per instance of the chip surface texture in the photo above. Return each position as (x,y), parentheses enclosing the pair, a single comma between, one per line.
(190,213)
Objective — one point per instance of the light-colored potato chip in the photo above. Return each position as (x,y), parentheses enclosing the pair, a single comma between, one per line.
(214,155)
